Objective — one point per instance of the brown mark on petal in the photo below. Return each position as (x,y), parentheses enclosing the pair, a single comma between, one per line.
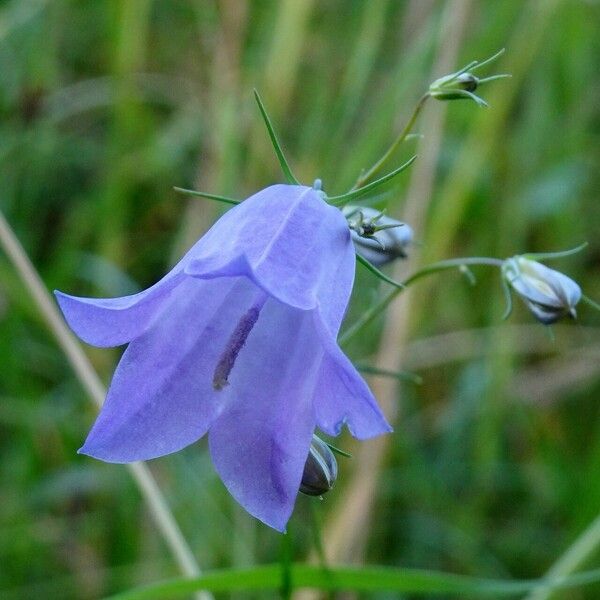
(234,345)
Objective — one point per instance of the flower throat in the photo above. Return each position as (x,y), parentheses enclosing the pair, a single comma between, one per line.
(235,343)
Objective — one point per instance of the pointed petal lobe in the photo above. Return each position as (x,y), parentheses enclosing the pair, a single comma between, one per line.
(162,396)
(260,443)
(343,397)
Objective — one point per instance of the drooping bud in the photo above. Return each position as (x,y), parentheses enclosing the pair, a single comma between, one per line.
(467,81)
(320,470)
(463,83)
(378,238)
(549,294)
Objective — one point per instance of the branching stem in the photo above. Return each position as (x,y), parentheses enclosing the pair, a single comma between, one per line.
(376,309)
(378,166)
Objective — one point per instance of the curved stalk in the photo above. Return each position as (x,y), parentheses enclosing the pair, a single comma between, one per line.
(87,376)
(373,311)
(378,166)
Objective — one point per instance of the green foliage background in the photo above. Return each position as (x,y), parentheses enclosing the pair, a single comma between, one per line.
(104,106)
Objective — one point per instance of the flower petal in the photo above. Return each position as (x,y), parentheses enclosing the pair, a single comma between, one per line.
(343,397)
(286,238)
(162,397)
(106,322)
(260,443)
(544,286)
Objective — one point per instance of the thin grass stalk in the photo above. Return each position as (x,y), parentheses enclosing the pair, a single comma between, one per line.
(345,543)
(573,558)
(87,376)
(487,129)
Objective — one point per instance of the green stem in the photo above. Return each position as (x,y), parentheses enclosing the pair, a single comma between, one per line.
(358,193)
(589,301)
(158,508)
(318,539)
(286,559)
(374,310)
(378,166)
(452,263)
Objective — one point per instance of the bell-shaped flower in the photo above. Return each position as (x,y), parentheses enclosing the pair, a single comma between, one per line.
(549,294)
(238,341)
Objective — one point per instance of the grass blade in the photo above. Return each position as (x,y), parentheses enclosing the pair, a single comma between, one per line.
(366,579)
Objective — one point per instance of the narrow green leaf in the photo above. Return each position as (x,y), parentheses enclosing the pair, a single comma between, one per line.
(487,61)
(339,451)
(276,145)
(479,101)
(353,195)
(400,375)
(494,78)
(508,298)
(206,195)
(363,261)
(551,255)
(365,579)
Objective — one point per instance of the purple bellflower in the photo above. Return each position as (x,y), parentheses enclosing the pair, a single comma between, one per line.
(238,341)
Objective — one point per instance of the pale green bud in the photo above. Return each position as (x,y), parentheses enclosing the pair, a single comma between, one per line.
(461,84)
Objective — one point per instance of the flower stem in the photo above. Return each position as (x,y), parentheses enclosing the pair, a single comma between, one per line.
(87,376)
(378,166)
(373,311)
(286,559)
(589,301)
(318,542)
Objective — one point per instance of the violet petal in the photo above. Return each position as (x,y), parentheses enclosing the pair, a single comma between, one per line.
(285,237)
(260,442)
(161,398)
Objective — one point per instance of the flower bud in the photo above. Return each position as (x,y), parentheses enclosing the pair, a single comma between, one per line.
(549,294)
(467,81)
(454,90)
(320,470)
(385,245)
(463,83)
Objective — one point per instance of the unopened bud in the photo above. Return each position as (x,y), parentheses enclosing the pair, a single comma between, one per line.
(549,294)
(384,245)
(320,470)
(463,83)
(467,81)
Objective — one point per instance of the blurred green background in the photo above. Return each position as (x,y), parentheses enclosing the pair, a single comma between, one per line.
(493,469)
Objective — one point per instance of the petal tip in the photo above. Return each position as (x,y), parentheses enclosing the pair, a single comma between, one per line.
(105,456)
(384,429)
